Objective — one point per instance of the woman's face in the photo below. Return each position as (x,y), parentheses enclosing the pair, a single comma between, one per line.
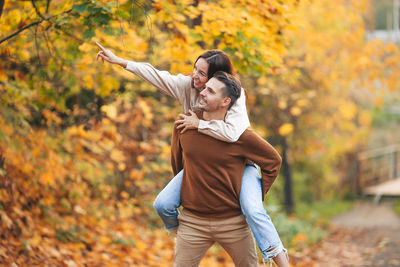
(200,74)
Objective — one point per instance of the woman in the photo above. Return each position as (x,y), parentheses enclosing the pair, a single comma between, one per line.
(186,89)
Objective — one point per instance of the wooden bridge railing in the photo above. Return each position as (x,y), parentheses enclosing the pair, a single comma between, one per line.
(377,166)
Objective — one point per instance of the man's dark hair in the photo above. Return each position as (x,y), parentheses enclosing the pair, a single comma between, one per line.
(232,86)
(217,60)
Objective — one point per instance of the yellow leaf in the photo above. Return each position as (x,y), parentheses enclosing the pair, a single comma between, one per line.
(110,110)
(3,252)
(262,80)
(141,246)
(136,175)
(140,159)
(122,166)
(107,84)
(295,111)
(88,81)
(299,238)
(285,129)
(302,102)
(36,151)
(85,47)
(128,183)
(35,240)
(117,155)
(348,110)
(124,194)
(47,178)
(391,48)
(71,263)
(282,104)
(5,219)
(105,240)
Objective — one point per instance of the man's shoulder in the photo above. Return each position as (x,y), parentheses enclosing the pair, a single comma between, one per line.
(249,134)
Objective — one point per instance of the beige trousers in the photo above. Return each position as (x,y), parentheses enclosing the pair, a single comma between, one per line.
(196,235)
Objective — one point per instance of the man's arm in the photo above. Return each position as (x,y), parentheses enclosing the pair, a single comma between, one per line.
(176,152)
(264,155)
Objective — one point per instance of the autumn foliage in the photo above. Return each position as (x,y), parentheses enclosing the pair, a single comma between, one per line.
(85,146)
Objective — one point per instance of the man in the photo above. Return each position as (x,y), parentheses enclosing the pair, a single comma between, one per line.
(187,90)
(211,182)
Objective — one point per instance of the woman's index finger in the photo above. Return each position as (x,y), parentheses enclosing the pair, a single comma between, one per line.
(101,47)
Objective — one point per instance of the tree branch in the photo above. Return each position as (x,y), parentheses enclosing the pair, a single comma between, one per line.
(47,6)
(30,25)
(37,10)
(141,5)
(21,30)
(37,47)
(1,6)
(47,43)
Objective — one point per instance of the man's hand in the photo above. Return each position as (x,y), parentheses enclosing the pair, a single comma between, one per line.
(187,122)
(109,56)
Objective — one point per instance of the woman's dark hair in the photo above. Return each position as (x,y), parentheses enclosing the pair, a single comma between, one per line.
(217,61)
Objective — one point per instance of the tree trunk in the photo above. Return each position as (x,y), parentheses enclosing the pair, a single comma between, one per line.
(1,7)
(287,174)
(196,22)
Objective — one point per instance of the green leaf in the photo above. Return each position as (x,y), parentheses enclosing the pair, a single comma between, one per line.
(88,33)
(79,8)
(102,19)
(93,9)
(111,31)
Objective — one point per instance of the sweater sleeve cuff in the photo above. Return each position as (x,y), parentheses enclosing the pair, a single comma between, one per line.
(202,125)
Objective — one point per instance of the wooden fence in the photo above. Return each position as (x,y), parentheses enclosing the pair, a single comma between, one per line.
(377,166)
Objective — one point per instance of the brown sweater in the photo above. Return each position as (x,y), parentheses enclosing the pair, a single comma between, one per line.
(213,170)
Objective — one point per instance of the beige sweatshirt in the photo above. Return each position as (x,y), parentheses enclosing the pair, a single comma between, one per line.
(180,87)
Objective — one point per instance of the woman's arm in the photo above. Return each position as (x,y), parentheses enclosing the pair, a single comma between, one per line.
(110,57)
(228,130)
(176,86)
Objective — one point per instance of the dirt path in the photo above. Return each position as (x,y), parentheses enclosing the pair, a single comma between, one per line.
(368,235)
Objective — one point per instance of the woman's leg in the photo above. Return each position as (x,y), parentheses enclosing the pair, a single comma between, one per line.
(260,223)
(168,200)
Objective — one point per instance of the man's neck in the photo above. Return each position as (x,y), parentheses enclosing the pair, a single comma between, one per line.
(214,115)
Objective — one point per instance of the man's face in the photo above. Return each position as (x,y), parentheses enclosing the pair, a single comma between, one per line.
(212,98)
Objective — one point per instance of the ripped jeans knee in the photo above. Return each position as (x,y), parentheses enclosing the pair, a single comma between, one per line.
(272,252)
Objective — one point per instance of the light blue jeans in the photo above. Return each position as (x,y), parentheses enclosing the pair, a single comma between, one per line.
(260,223)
